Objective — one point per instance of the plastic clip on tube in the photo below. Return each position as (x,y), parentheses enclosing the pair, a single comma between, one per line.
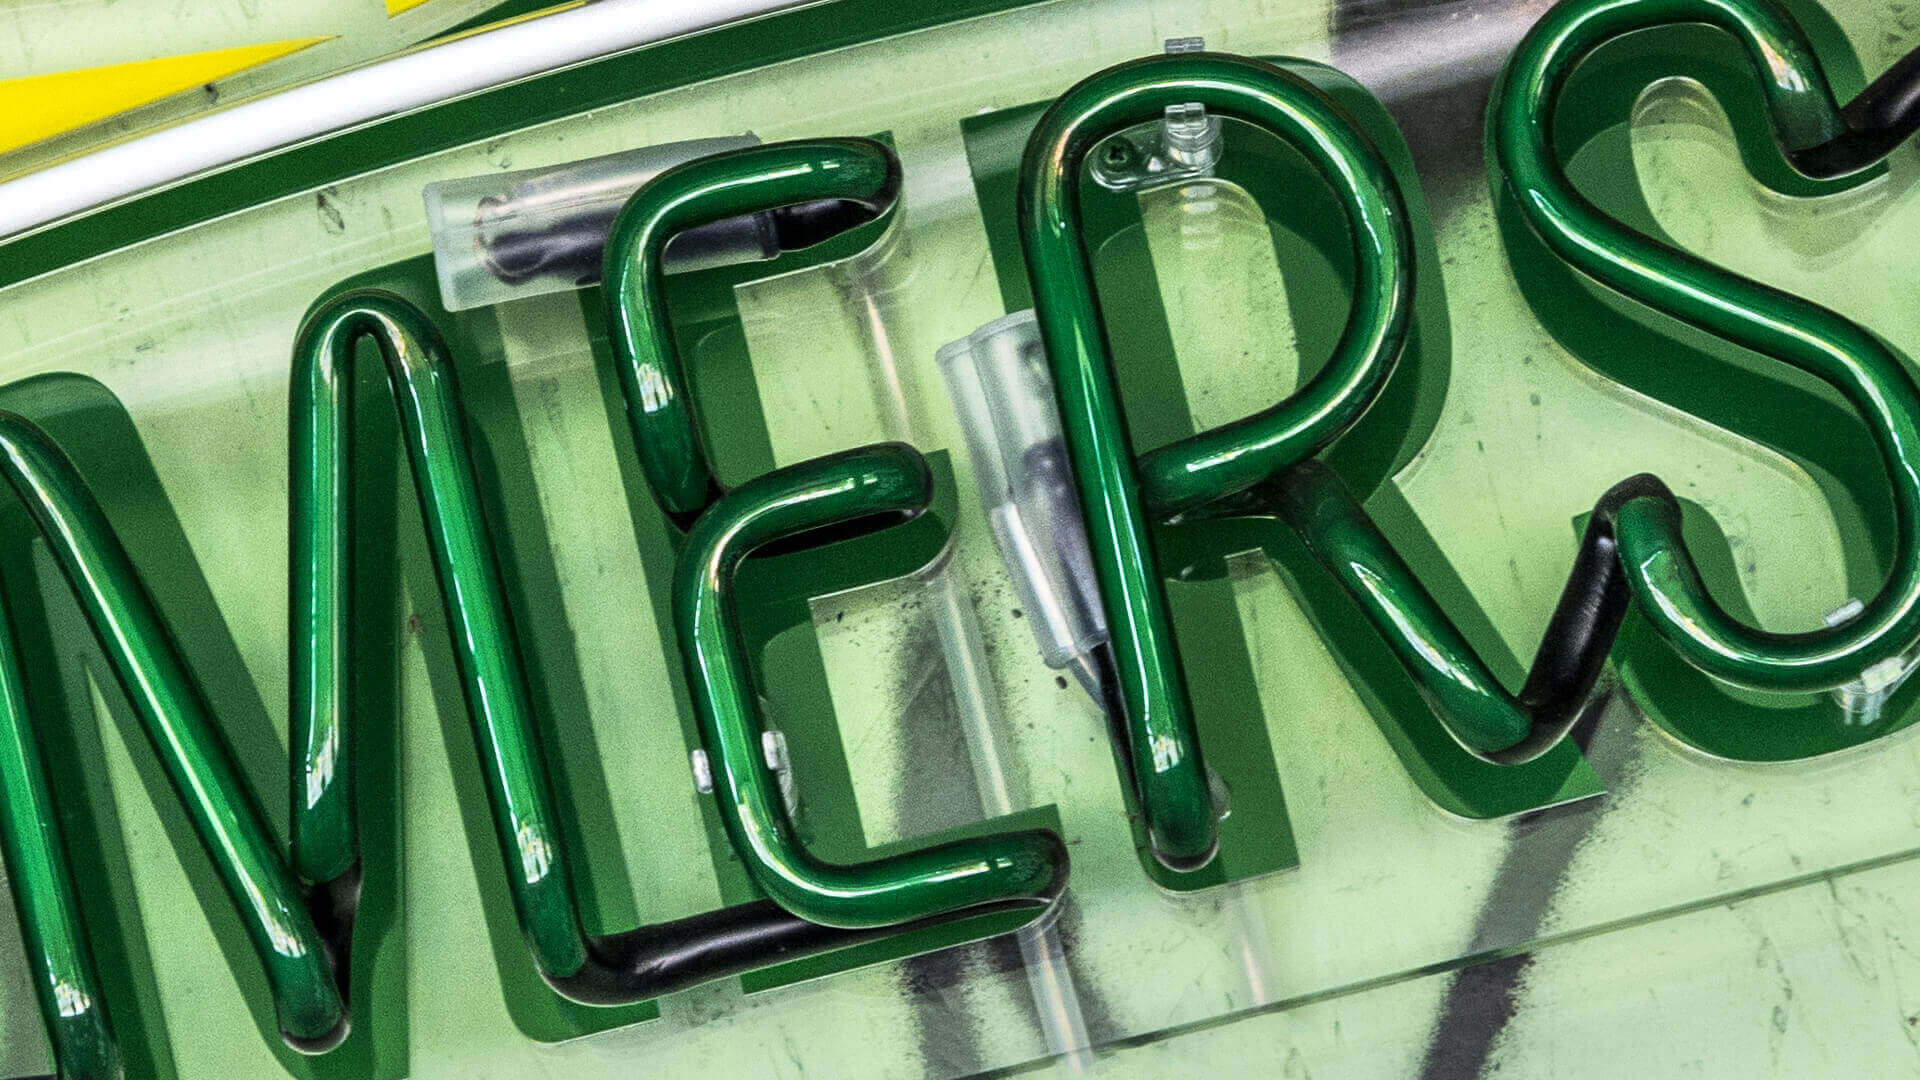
(797,507)
(501,236)
(1119,491)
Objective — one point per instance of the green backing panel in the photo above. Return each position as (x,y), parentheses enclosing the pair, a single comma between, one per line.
(776,619)
(1311,244)
(64,663)
(1687,871)
(1774,404)
(1256,837)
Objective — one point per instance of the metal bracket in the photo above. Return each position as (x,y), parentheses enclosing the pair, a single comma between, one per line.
(1184,145)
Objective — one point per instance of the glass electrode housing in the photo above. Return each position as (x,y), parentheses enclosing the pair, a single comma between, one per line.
(997,377)
(503,236)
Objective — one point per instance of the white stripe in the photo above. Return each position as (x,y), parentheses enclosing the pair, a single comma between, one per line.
(411,80)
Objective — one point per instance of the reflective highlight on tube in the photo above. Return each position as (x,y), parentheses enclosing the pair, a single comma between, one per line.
(1820,139)
(889,479)
(1119,491)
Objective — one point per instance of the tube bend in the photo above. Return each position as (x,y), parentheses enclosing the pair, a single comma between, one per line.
(1118,491)
(1483,716)
(1005,870)
(802,506)
(1820,139)
(646,962)
(660,411)
(592,969)
(280,916)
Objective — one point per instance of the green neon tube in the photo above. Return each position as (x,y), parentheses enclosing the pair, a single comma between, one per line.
(1820,139)
(886,481)
(492,678)
(1118,491)
(146,662)
(660,410)
(43,893)
(827,497)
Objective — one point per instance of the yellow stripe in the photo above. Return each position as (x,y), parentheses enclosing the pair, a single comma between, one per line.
(41,106)
(395,7)
(529,16)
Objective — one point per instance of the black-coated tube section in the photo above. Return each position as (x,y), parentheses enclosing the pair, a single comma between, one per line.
(1879,119)
(649,961)
(1312,501)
